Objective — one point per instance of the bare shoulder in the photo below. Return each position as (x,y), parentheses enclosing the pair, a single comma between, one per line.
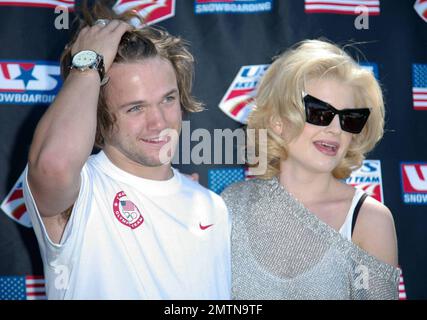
(375,231)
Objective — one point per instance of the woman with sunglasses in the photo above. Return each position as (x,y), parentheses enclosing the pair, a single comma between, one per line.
(299,231)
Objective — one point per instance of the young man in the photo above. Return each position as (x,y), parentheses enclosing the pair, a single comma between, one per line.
(123,224)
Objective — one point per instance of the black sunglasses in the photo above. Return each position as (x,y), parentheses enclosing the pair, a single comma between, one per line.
(321,113)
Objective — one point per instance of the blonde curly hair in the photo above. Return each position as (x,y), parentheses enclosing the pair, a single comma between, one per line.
(279,96)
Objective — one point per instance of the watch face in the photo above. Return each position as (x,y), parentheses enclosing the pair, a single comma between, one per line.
(84,59)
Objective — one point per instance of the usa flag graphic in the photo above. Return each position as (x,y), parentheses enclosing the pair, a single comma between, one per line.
(22,288)
(152,11)
(14,206)
(39,3)
(420,7)
(353,7)
(219,179)
(127,205)
(402,291)
(419,87)
(371,66)
(238,101)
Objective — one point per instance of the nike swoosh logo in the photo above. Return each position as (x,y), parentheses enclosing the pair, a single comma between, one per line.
(205,227)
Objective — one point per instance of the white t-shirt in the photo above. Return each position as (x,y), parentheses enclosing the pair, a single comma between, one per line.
(134,238)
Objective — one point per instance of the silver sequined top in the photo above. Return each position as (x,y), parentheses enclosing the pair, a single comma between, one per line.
(282,251)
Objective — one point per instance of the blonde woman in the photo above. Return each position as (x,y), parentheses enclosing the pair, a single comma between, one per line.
(300,232)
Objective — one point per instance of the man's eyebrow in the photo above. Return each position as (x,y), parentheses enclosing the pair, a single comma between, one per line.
(173,91)
(132,103)
(139,102)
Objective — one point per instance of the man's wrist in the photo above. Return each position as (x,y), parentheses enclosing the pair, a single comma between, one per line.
(86,60)
(88,73)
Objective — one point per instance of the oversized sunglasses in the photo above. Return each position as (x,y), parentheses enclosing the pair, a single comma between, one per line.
(321,113)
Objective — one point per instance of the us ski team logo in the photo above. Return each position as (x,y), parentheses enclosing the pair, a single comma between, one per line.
(238,102)
(368,178)
(126,211)
(153,11)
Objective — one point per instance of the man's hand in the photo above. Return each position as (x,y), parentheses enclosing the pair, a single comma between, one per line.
(103,39)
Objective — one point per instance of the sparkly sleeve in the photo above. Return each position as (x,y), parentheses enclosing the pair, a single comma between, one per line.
(373,279)
(233,196)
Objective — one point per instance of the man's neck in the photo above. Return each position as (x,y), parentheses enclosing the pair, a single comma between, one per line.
(160,173)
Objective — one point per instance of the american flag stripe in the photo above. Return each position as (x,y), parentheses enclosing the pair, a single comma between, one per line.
(242,93)
(402,291)
(124,5)
(16,194)
(35,288)
(39,3)
(151,10)
(421,8)
(248,174)
(420,98)
(419,86)
(19,211)
(342,6)
(14,206)
(127,205)
(240,106)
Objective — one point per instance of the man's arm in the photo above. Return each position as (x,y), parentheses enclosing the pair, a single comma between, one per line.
(65,135)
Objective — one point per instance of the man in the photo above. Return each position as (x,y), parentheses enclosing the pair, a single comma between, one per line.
(123,224)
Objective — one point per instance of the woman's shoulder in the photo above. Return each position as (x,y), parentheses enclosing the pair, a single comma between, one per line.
(242,192)
(240,188)
(375,231)
(374,215)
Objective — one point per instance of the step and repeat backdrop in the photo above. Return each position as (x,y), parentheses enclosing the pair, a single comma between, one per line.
(233,42)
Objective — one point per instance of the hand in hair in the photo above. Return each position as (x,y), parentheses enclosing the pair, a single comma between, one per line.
(103,40)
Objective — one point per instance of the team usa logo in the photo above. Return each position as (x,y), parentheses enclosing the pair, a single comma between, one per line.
(232,6)
(39,3)
(414,182)
(29,82)
(237,103)
(14,206)
(126,211)
(368,178)
(152,11)
(420,7)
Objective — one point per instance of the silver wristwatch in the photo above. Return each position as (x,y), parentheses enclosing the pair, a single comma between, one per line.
(88,59)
